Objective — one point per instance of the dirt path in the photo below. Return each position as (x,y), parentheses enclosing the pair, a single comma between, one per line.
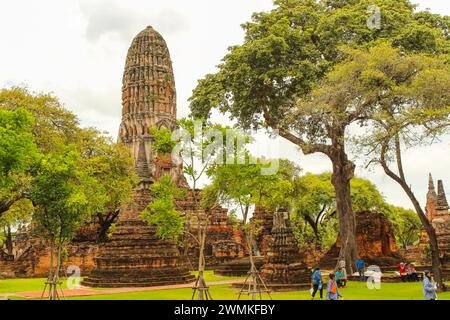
(85,291)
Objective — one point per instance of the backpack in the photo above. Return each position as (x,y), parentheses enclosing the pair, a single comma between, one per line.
(333,289)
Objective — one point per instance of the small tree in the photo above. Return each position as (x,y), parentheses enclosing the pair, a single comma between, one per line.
(161,211)
(246,186)
(64,198)
(198,146)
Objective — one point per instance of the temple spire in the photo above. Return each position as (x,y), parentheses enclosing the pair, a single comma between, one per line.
(431,184)
(431,195)
(442,204)
(142,169)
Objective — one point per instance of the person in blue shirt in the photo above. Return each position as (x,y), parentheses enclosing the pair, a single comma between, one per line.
(428,287)
(340,279)
(316,283)
(360,266)
(332,289)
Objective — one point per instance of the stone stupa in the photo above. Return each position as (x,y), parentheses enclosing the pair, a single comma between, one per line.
(135,256)
(284,269)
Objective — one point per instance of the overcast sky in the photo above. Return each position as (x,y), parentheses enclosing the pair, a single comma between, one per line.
(77,48)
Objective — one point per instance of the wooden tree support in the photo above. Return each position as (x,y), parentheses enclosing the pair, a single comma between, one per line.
(55,290)
(202,288)
(254,286)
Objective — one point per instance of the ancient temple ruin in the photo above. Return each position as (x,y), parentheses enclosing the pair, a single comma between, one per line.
(284,268)
(437,211)
(375,240)
(136,256)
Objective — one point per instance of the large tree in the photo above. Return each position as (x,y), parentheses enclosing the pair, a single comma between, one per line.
(285,53)
(407,104)
(401,100)
(52,125)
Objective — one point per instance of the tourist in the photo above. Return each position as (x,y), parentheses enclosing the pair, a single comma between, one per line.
(341,278)
(403,272)
(412,273)
(316,283)
(361,266)
(342,274)
(429,287)
(332,289)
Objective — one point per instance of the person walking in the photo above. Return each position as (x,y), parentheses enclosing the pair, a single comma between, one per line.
(361,266)
(332,289)
(429,287)
(316,283)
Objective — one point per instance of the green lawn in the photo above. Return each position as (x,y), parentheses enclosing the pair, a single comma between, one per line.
(354,291)
(22,285)
(210,277)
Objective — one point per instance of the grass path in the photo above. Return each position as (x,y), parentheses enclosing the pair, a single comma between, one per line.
(220,289)
(354,291)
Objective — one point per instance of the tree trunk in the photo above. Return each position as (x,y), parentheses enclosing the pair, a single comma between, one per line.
(343,171)
(401,180)
(314,225)
(201,261)
(249,236)
(56,273)
(105,223)
(9,243)
(434,246)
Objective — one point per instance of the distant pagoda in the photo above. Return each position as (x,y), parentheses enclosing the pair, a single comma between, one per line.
(135,256)
(284,268)
(437,211)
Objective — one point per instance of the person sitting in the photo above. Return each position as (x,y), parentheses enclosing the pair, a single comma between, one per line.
(332,289)
(402,270)
(340,278)
(413,276)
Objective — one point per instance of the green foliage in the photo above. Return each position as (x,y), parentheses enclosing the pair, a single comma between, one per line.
(314,207)
(105,167)
(406,224)
(246,184)
(53,124)
(288,50)
(111,230)
(161,211)
(406,97)
(163,142)
(61,194)
(18,215)
(365,196)
(110,168)
(17,149)
(18,157)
